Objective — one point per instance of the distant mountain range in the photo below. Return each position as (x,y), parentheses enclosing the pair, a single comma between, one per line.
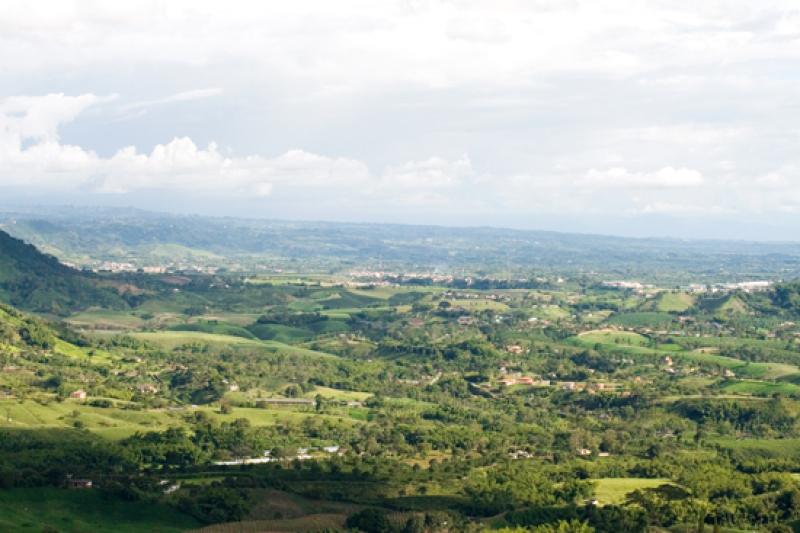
(89,235)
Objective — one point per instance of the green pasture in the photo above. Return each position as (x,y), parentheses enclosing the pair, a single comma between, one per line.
(81,511)
(116,423)
(614,491)
(237,319)
(112,423)
(674,302)
(336,394)
(643,319)
(219,328)
(635,344)
(106,319)
(610,336)
(761,388)
(173,339)
(762,448)
(479,304)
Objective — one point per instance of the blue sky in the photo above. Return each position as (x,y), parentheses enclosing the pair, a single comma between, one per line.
(642,118)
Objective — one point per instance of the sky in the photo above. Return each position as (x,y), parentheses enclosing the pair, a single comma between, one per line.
(638,117)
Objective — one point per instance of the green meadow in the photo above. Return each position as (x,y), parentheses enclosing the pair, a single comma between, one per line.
(84,511)
(615,490)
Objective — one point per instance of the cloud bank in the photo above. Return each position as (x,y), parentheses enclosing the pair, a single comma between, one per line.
(429,109)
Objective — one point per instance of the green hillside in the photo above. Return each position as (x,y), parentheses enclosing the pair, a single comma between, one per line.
(674,302)
(37,282)
(727,306)
(18,331)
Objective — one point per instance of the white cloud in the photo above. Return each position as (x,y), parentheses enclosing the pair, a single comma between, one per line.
(39,117)
(481,30)
(31,155)
(434,172)
(359,43)
(783,180)
(180,165)
(664,178)
(185,96)
(682,209)
(685,134)
(563,107)
(176,165)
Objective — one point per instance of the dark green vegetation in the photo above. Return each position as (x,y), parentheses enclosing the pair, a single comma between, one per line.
(31,280)
(50,509)
(243,402)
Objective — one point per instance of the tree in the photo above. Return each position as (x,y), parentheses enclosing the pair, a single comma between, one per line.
(415,524)
(370,521)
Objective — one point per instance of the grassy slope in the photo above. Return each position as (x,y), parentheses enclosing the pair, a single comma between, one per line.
(106,319)
(172,339)
(116,423)
(34,281)
(633,343)
(652,319)
(613,337)
(723,307)
(337,394)
(108,422)
(15,320)
(674,302)
(769,448)
(67,511)
(615,490)
(761,388)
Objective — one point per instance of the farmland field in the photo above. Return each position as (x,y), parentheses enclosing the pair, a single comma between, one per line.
(615,490)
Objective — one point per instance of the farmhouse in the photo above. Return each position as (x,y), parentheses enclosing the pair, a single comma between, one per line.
(79,394)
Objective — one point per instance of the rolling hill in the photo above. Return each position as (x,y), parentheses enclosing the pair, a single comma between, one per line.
(38,282)
(89,235)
